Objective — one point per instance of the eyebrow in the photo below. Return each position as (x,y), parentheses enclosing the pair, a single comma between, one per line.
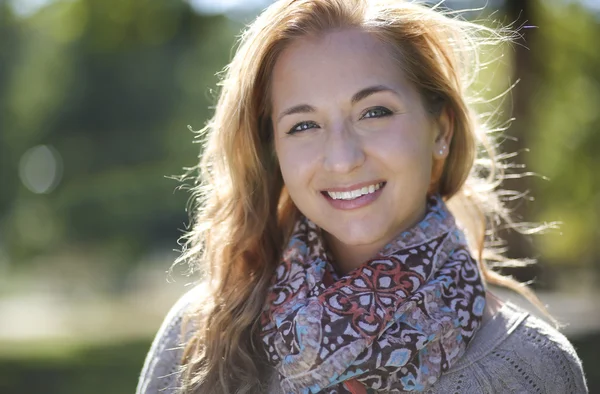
(358,96)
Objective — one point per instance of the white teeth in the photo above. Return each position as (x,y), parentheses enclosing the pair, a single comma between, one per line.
(351,195)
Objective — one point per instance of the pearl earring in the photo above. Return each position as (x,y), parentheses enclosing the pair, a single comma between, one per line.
(442,150)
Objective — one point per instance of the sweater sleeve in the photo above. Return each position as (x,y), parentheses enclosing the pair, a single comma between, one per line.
(162,366)
(516,353)
(536,358)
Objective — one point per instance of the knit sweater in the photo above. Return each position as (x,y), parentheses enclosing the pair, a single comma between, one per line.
(513,352)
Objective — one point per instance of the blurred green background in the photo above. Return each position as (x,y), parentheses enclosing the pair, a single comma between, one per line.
(95,101)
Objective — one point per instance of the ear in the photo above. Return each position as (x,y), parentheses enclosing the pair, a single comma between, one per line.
(444,130)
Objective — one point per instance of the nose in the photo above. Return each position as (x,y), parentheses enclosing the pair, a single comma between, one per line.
(343,149)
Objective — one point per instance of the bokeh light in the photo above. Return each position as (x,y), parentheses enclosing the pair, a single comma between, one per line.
(40,169)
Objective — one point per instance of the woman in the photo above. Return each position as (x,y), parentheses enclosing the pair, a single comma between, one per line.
(342,220)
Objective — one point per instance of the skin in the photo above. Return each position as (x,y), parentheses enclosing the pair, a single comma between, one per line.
(331,141)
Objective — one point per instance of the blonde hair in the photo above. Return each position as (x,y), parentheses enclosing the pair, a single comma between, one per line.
(243,210)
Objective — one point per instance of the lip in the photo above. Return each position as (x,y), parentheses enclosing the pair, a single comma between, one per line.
(352,187)
(359,202)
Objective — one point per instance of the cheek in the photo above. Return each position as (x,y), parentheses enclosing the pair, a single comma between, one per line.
(296,162)
(403,148)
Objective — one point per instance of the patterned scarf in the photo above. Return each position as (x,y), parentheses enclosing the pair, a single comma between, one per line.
(394,324)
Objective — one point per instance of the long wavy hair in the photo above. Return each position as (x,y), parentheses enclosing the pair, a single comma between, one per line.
(243,213)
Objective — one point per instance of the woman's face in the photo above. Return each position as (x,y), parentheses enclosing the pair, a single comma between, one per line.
(353,139)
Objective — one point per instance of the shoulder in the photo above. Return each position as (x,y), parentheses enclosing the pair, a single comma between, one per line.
(518,352)
(535,347)
(161,367)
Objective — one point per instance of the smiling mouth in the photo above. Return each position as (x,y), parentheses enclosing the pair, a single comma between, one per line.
(353,194)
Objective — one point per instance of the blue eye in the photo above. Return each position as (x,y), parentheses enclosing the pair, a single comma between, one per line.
(376,112)
(302,126)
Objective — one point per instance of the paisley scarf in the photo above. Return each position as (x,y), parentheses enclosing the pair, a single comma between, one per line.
(396,323)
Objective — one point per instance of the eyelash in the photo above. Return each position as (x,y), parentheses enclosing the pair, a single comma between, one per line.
(382,110)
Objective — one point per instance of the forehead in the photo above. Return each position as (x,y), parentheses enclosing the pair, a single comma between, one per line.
(339,62)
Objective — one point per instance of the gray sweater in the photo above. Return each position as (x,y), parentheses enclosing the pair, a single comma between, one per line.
(514,352)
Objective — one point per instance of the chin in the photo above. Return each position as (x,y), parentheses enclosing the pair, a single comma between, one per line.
(356,237)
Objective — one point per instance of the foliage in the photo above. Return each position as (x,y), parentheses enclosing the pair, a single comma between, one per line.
(91,370)
(110,86)
(564,131)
